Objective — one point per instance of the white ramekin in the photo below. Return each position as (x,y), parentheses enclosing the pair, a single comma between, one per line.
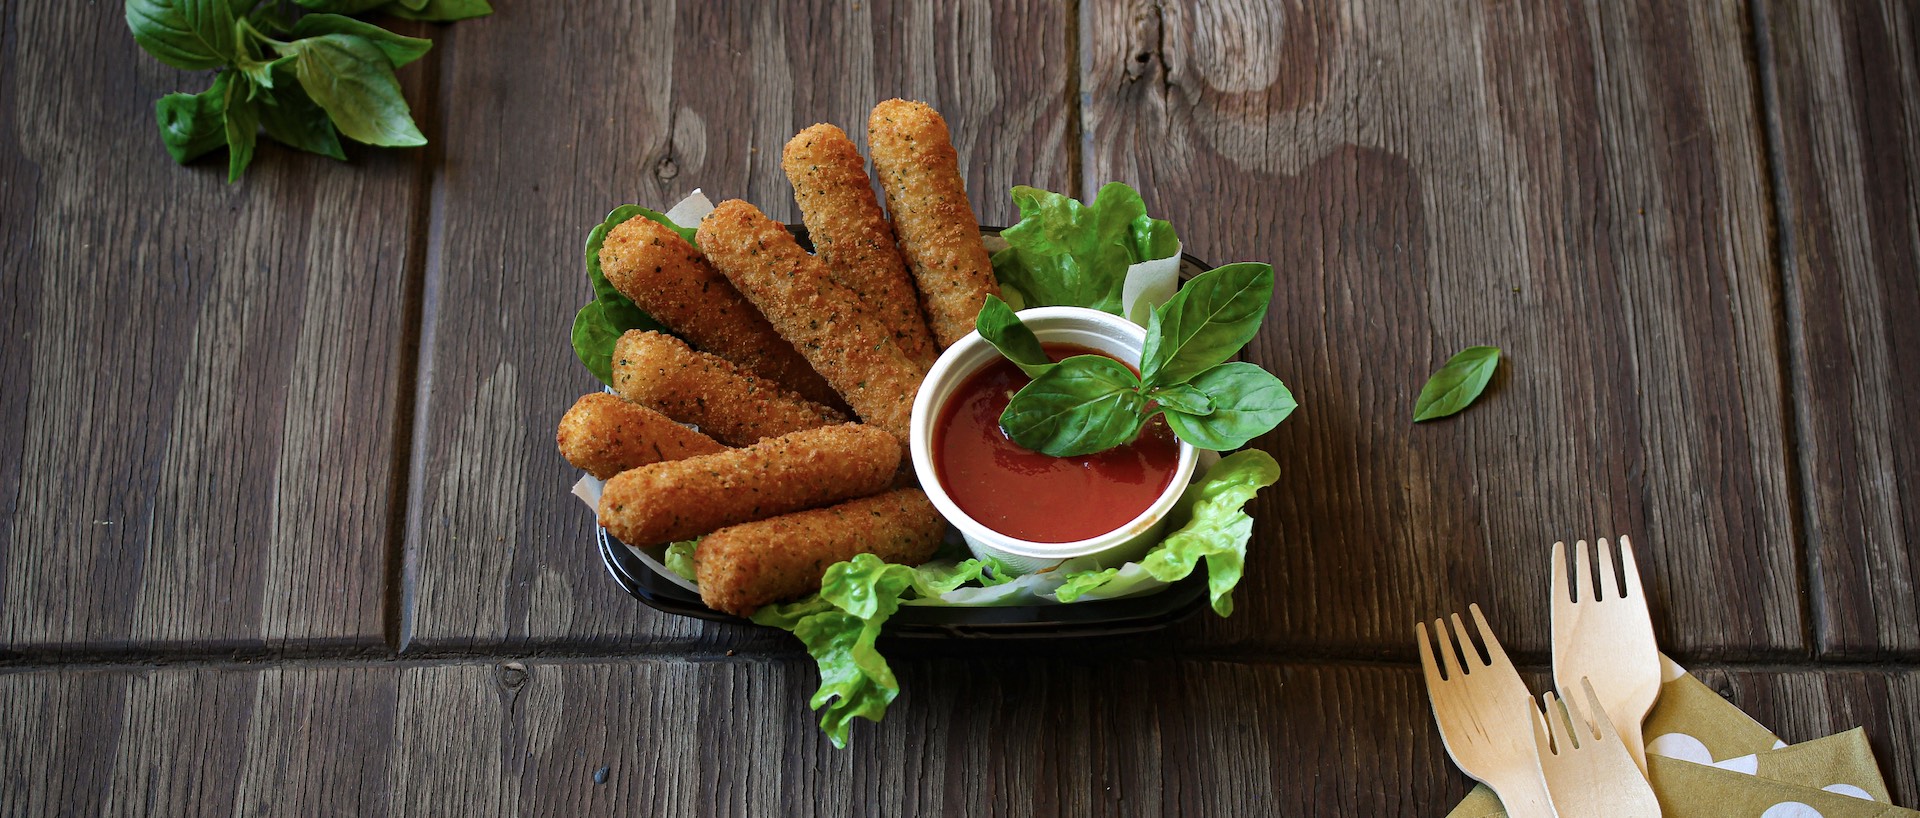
(1092,329)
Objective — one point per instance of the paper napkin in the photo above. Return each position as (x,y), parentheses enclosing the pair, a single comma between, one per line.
(1706,758)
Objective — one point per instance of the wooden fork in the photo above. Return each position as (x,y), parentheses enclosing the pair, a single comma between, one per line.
(1587,770)
(1608,637)
(1476,705)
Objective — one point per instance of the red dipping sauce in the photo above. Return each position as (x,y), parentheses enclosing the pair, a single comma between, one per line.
(1031,496)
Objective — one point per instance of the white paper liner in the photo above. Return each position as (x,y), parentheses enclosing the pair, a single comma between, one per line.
(690,210)
(1149,284)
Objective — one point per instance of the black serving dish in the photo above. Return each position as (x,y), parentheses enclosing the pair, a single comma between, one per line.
(1104,617)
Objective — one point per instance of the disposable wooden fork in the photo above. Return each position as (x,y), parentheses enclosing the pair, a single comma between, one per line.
(1588,771)
(1607,637)
(1477,705)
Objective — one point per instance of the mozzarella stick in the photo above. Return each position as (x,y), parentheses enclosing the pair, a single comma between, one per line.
(667,277)
(746,566)
(604,436)
(660,372)
(847,345)
(851,235)
(938,233)
(682,499)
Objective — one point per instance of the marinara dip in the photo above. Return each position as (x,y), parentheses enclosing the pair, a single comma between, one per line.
(1031,496)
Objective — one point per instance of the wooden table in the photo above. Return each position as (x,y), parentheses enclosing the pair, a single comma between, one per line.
(282,529)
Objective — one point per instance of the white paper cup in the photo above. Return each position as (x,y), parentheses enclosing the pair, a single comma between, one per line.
(1082,327)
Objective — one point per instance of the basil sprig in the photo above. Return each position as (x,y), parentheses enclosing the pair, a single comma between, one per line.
(1091,403)
(305,80)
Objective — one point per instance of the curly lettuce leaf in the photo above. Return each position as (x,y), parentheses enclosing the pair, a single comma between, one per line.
(839,626)
(1063,252)
(1217,528)
(680,559)
(1079,584)
(600,323)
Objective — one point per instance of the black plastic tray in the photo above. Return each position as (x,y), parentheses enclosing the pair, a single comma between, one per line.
(1104,617)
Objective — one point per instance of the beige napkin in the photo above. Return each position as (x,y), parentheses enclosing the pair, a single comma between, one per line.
(1706,758)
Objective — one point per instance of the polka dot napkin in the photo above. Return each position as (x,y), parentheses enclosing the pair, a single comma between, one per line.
(1706,758)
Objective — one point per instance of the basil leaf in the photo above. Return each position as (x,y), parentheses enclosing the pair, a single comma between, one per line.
(1183,398)
(1457,384)
(1065,252)
(441,11)
(1204,324)
(341,6)
(243,128)
(400,49)
(189,34)
(292,119)
(1086,404)
(411,5)
(353,80)
(193,124)
(600,323)
(1247,402)
(1001,328)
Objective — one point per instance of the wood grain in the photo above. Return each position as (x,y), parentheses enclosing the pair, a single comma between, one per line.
(1580,185)
(200,379)
(968,737)
(1846,89)
(610,103)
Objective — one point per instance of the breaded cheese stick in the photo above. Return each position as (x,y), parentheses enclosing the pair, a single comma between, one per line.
(669,279)
(683,499)
(746,566)
(659,371)
(848,346)
(852,236)
(939,235)
(604,436)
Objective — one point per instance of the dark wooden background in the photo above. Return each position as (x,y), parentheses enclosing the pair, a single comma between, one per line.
(282,528)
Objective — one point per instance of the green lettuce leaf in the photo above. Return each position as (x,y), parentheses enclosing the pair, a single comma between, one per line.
(1063,252)
(600,323)
(1217,528)
(839,626)
(1079,584)
(680,559)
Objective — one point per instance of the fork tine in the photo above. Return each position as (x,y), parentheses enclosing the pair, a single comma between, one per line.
(1426,659)
(1598,722)
(1496,656)
(1469,655)
(1609,583)
(1541,738)
(1560,586)
(1582,574)
(1563,740)
(1630,568)
(1446,649)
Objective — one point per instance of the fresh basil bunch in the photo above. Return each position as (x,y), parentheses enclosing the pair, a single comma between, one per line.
(1091,403)
(304,80)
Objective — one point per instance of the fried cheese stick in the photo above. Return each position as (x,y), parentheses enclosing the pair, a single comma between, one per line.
(746,566)
(683,499)
(669,279)
(847,345)
(661,372)
(927,199)
(851,235)
(604,436)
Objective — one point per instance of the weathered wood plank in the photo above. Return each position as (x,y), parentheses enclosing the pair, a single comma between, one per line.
(1578,184)
(968,737)
(201,379)
(611,103)
(1846,86)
